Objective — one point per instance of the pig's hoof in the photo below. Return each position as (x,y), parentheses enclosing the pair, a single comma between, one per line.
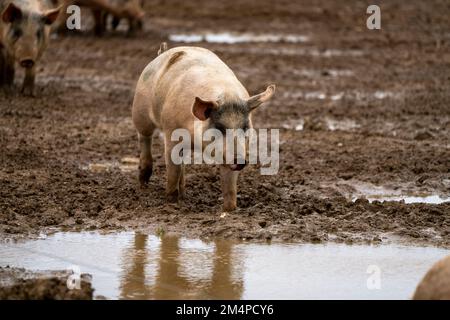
(172,197)
(144,176)
(28,91)
(229,208)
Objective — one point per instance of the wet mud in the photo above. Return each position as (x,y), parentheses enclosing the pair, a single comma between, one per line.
(354,107)
(21,284)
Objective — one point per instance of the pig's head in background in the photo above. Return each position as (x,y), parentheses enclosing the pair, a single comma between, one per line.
(27,32)
(231,116)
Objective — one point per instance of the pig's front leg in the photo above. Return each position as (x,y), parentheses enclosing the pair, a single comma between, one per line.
(7,70)
(10,71)
(2,67)
(28,82)
(229,188)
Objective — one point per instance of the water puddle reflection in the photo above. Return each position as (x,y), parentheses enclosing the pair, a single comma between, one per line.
(130,265)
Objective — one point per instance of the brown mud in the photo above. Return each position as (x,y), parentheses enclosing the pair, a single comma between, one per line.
(392,86)
(21,284)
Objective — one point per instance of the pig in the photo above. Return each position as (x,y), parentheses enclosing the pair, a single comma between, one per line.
(24,36)
(133,12)
(118,9)
(184,85)
(436,283)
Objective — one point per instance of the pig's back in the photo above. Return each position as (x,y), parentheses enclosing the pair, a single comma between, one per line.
(29,5)
(194,61)
(171,82)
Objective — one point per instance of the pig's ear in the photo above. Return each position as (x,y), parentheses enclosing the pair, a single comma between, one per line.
(50,16)
(255,101)
(202,109)
(11,13)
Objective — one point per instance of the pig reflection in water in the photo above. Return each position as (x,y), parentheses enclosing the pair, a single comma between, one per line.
(24,36)
(184,85)
(169,282)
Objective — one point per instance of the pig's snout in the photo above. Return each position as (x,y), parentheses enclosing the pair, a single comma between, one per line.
(27,63)
(238,165)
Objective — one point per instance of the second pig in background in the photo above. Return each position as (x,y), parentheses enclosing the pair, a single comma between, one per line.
(24,36)
(116,10)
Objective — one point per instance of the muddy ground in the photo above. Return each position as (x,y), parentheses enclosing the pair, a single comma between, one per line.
(21,284)
(387,92)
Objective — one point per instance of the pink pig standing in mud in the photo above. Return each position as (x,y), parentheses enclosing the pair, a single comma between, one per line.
(24,36)
(184,85)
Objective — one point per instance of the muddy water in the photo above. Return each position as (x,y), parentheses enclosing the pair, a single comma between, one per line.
(234,38)
(136,266)
(379,193)
(430,199)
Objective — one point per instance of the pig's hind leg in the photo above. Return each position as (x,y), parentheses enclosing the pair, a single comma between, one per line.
(175,175)
(146,159)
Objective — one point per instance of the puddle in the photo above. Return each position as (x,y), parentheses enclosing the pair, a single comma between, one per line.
(328,53)
(341,125)
(380,193)
(430,199)
(354,95)
(126,164)
(232,38)
(129,266)
(327,123)
(294,125)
